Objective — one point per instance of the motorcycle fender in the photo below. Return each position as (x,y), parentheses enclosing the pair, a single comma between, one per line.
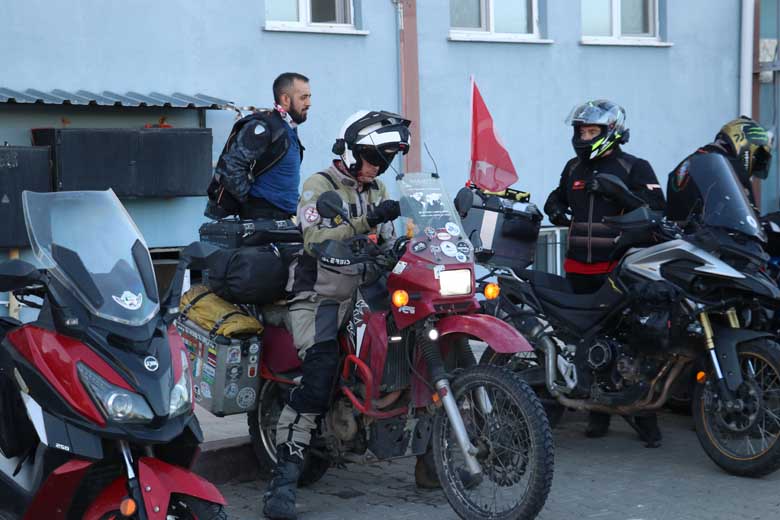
(162,480)
(726,342)
(501,336)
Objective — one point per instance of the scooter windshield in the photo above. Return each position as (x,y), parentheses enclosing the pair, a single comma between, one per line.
(89,243)
(724,203)
(425,206)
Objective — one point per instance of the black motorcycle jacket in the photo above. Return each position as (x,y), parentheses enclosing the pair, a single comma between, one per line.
(683,198)
(255,144)
(591,241)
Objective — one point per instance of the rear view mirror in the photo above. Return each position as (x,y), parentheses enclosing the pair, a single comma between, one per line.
(330,205)
(464,200)
(614,185)
(16,274)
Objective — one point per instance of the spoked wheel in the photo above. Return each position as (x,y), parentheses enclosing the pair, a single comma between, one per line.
(514,446)
(262,430)
(530,370)
(183,507)
(744,441)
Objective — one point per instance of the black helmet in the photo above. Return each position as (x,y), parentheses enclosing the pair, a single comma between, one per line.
(749,143)
(605,114)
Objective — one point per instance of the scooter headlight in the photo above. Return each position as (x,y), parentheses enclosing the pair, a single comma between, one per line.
(181,394)
(116,404)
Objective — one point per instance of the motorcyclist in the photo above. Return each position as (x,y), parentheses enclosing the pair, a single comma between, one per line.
(258,172)
(322,291)
(748,148)
(599,130)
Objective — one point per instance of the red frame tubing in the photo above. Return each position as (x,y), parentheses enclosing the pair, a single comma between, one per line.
(53,499)
(164,480)
(501,336)
(367,406)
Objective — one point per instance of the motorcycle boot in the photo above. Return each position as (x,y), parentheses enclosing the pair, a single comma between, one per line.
(647,428)
(598,425)
(279,498)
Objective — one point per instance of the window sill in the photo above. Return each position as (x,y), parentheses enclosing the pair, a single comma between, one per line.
(481,36)
(314,28)
(624,42)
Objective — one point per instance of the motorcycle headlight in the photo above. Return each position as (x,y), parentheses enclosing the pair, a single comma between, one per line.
(455,282)
(181,394)
(116,404)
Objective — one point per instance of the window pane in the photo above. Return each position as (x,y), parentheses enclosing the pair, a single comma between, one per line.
(330,11)
(635,17)
(596,18)
(513,16)
(281,10)
(466,13)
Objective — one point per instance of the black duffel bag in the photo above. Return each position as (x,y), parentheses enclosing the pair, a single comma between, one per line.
(253,275)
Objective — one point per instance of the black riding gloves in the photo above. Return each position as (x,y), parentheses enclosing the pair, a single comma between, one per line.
(386,211)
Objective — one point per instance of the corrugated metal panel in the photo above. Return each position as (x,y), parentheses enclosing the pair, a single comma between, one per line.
(108,98)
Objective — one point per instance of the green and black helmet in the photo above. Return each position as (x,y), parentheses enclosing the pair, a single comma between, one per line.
(610,116)
(750,143)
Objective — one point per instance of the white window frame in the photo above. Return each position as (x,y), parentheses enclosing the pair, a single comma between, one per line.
(487,33)
(304,23)
(617,37)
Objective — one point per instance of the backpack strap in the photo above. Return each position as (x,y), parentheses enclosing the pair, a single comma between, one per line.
(330,180)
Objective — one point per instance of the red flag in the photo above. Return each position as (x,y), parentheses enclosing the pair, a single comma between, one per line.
(491,166)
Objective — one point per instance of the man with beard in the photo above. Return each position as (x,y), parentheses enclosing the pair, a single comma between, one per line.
(258,172)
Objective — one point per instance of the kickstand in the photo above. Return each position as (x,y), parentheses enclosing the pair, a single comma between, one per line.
(643,436)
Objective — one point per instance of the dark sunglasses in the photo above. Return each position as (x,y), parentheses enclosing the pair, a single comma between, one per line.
(377,157)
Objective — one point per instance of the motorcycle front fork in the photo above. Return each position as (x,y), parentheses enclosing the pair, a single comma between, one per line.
(709,341)
(432,354)
(133,484)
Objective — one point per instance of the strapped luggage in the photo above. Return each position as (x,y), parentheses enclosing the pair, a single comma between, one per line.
(215,315)
(234,233)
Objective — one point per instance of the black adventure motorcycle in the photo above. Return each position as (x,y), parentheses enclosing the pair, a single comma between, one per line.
(675,299)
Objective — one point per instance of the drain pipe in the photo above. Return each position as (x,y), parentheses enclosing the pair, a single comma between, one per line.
(408,56)
(746,58)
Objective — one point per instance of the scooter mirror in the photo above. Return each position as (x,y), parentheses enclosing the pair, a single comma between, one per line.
(330,205)
(16,274)
(464,200)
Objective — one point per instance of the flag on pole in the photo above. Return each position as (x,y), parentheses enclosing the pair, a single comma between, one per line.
(491,166)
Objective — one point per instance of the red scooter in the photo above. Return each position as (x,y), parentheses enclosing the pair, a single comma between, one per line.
(96,408)
(409,383)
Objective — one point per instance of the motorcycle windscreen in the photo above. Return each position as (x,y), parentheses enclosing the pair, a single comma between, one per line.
(724,203)
(426,207)
(89,243)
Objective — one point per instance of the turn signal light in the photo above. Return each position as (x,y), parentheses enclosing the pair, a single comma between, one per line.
(400,298)
(127,507)
(492,290)
(701,376)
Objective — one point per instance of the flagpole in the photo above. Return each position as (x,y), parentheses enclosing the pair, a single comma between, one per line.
(471,124)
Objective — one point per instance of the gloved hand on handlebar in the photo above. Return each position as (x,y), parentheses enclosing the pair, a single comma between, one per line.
(386,211)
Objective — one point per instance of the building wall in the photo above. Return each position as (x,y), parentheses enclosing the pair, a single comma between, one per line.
(675,97)
(210,47)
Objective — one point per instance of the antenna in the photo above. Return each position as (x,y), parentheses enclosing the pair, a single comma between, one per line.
(435,168)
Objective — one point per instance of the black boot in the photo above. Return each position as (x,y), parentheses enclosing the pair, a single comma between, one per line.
(279,499)
(598,425)
(425,472)
(647,428)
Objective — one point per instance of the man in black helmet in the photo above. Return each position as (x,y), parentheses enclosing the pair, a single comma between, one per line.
(599,130)
(748,148)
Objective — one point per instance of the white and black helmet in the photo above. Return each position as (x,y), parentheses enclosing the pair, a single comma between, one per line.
(373,136)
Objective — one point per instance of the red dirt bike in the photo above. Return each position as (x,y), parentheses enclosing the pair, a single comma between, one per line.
(96,408)
(408,377)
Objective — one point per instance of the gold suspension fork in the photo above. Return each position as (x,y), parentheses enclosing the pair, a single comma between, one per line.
(709,340)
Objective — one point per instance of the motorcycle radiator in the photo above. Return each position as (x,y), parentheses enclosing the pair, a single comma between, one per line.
(396,375)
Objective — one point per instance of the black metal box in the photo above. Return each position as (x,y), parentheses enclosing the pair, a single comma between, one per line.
(134,162)
(21,168)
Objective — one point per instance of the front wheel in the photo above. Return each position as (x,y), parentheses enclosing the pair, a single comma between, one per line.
(514,447)
(184,507)
(744,442)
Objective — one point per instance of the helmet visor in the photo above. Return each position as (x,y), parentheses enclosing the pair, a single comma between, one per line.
(593,114)
(376,156)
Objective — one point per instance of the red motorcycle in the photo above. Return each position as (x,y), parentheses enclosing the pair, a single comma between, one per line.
(409,383)
(96,408)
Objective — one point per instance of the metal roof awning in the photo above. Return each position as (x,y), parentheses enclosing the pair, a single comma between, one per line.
(112,99)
